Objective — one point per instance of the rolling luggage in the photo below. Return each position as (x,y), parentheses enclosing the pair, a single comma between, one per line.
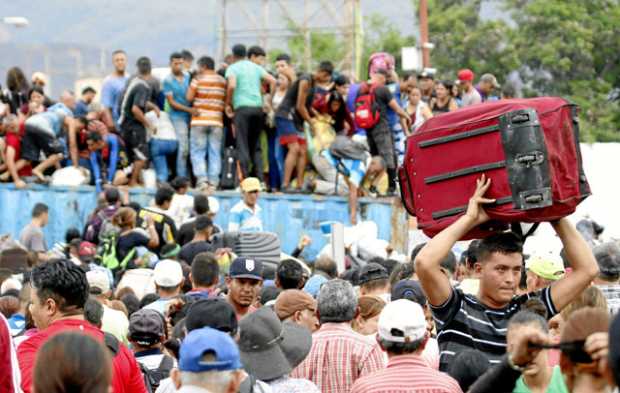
(229,177)
(528,147)
(264,246)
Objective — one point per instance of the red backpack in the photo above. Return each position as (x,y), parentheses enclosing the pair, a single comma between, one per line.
(367,113)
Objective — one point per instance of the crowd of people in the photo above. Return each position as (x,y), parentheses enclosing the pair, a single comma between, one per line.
(155,299)
(217,125)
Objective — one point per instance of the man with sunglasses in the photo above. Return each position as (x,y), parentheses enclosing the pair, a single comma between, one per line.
(246,215)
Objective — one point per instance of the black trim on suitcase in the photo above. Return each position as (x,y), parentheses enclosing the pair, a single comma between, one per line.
(461,209)
(457,137)
(527,159)
(405,184)
(465,172)
(584,187)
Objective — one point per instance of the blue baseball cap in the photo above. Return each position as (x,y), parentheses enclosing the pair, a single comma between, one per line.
(200,342)
(246,268)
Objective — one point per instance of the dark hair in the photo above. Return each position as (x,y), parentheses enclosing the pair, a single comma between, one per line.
(449,262)
(502,243)
(9,303)
(131,302)
(39,209)
(388,264)
(536,306)
(416,250)
(351,275)
(467,366)
(268,294)
(401,348)
(179,182)
(202,222)
(205,269)
(119,51)
(447,84)
(375,284)
(284,57)
(176,55)
(144,65)
(471,256)
(525,317)
(326,265)
(402,271)
(88,89)
(256,51)
(93,311)
(187,55)
(341,80)
(239,51)
(163,194)
(409,74)
(94,136)
(72,362)
(37,89)
(290,274)
(327,67)
(72,234)
(16,80)
(148,299)
(112,195)
(206,62)
(61,280)
(201,204)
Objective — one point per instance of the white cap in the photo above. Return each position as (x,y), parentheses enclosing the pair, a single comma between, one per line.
(98,279)
(168,273)
(403,316)
(10,284)
(214,205)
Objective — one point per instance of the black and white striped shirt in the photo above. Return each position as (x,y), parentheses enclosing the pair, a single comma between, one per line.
(463,322)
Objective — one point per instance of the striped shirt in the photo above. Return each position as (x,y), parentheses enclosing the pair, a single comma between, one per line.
(243,218)
(407,374)
(612,294)
(463,322)
(210,92)
(338,357)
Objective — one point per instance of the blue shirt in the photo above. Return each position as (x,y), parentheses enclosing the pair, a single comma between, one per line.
(243,219)
(51,120)
(178,90)
(111,91)
(356,169)
(95,158)
(81,108)
(17,323)
(393,118)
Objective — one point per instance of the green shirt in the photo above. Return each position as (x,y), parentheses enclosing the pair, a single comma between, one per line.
(248,90)
(557,384)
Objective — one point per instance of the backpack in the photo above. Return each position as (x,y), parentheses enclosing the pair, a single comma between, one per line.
(367,113)
(107,253)
(152,378)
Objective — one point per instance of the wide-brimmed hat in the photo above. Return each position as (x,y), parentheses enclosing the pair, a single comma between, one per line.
(269,348)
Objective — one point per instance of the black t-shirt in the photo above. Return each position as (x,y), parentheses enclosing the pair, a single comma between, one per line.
(287,108)
(186,233)
(383,96)
(164,226)
(129,241)
(138,93)
(190,250)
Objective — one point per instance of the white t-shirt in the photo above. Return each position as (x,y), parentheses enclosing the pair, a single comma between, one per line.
(164,128)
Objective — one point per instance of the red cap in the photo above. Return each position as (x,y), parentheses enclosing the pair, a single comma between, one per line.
(87,249)
(466,75)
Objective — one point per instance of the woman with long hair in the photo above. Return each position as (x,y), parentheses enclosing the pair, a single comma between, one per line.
(17,89)
(131,237)
(444,101)
(417,109)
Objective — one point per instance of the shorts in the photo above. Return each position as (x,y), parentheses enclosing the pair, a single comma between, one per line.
(288,132)
(381,142)
(136,146)
(37,140)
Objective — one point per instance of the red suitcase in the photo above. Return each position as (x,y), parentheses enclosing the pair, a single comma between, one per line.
(528,147)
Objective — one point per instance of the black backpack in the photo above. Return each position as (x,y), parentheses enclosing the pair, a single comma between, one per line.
(152,378)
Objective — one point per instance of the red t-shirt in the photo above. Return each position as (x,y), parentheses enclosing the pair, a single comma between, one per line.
(15,141)
(126,375)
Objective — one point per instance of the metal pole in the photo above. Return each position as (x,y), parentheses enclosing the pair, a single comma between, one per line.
(426,59)
(223,31)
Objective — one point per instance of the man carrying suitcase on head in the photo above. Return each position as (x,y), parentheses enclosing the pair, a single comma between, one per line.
(479,322)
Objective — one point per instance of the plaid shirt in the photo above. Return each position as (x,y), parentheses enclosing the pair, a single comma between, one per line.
(406,374)
(612,294)
(339,356)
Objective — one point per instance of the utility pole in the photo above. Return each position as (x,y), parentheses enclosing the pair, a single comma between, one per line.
(426,58)
(223,31)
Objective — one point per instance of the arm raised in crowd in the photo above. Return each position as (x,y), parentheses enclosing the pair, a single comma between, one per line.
(435,283)
(581,261)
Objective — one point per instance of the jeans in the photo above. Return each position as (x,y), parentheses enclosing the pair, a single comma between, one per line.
(206,145)
(160,150)
(274,166)
(249,122)
(182,130)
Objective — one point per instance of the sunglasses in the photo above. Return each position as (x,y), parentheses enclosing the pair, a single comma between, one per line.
(573,349)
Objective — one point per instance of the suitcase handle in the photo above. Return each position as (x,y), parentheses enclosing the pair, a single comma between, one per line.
(520,118)
(530,159)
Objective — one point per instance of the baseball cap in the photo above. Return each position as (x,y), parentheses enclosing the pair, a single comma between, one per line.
(608,258)
(146,326)
(201,342)
(466,75)
(168,273)
(98,279)
(426,75)
(87,250)
(250,184)
(410,290)
(293,300)
(546,266)
(246,268)
(213,313)
(372,271)
(490,78)
(402,321)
